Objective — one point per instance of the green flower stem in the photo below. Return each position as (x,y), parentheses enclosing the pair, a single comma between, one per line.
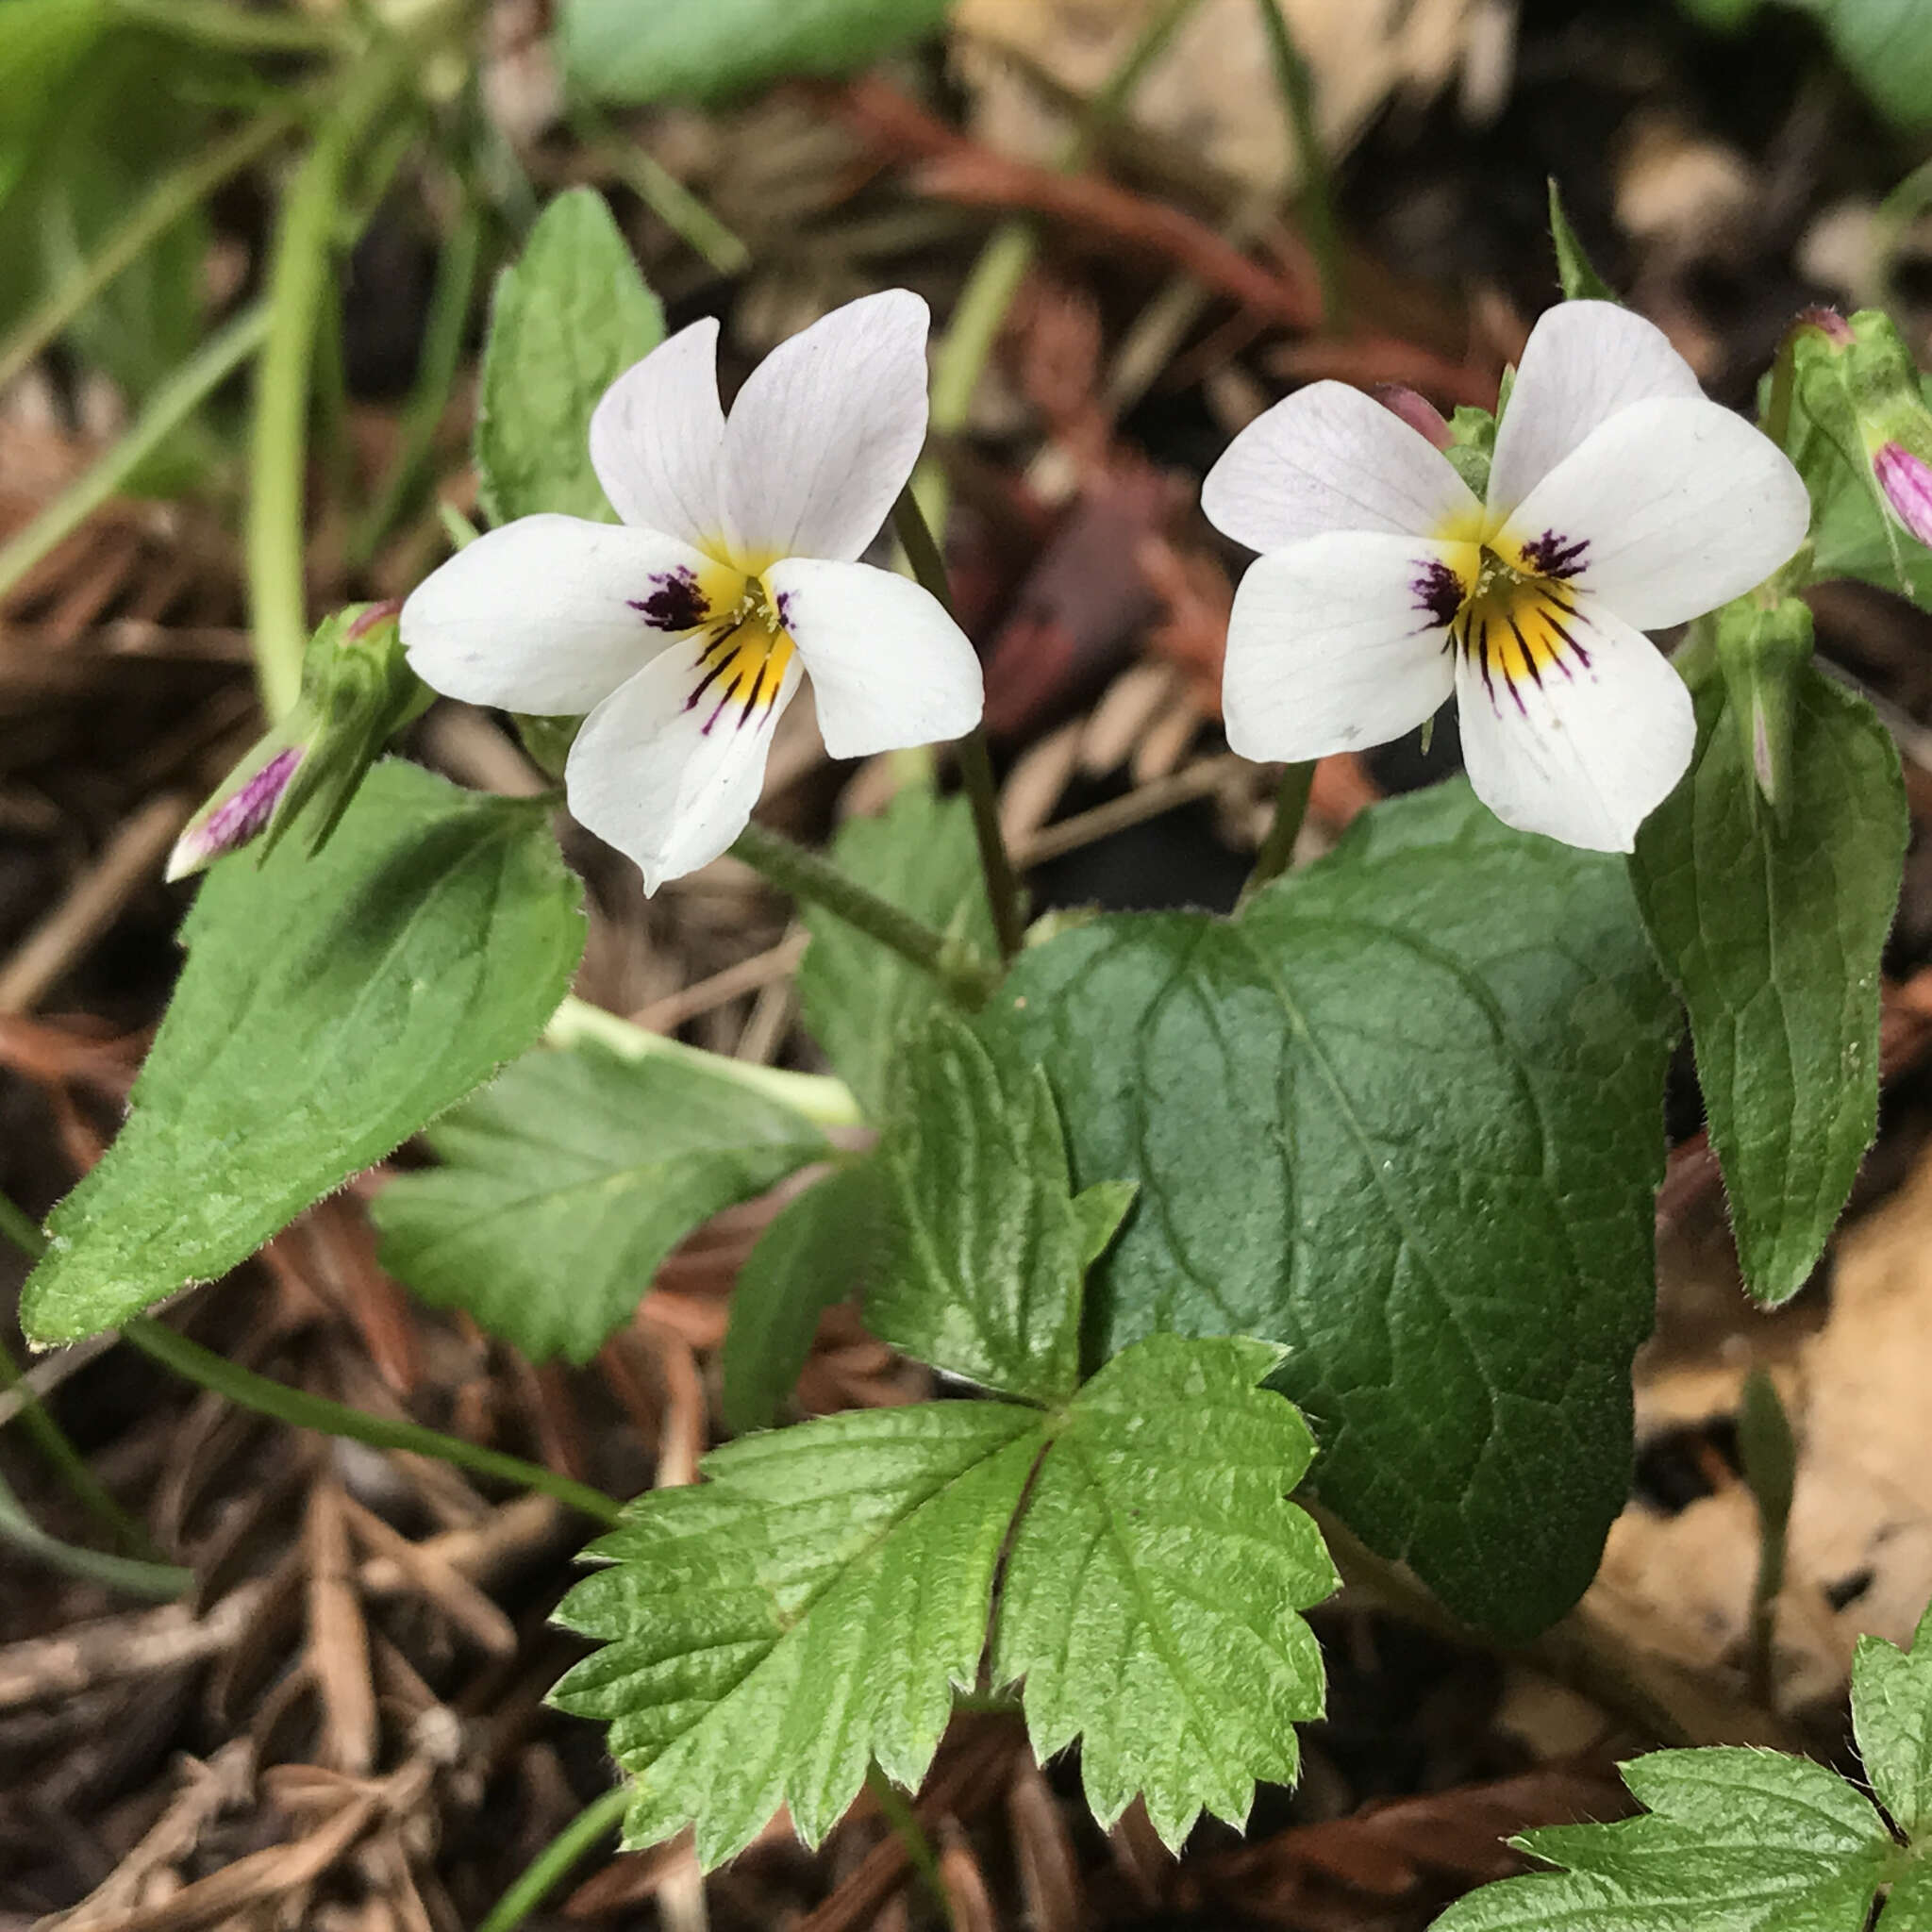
(666,196)
(1278,849)
(818,1096)
(1297,86)
(911,1834)
(1777,406)
(967,978)
(301,1410)
(168,408)
(165,203)
(549,1868)
(215,25)
(299,282)
(142,1572)
(975,761)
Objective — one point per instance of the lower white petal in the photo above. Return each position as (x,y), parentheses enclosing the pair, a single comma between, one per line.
(669,766)
(1340,643)
(1678,507)
(550,614)
(1588,747)
(888,667)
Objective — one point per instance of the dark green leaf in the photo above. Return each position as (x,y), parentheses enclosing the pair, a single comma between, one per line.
(566,1184)
(1736,1840)
(804,1611)
(1404,1117)
(1892,1711)
(570,316)
(707,50)
(857,998)
(329,1007)
(986,1251)
(1152,1580)
(1772,933)
(1886,44)
(818,1252)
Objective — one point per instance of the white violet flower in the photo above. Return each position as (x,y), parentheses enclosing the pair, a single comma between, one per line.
(1621,500)
(684,631)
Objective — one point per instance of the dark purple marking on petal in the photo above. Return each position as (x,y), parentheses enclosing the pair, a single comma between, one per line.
(784,609)
(1553,556)
(1907,482)
(1437,591)
(676,603)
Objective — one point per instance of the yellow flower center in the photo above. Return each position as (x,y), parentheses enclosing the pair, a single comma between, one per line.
(735,629)
(1507,605)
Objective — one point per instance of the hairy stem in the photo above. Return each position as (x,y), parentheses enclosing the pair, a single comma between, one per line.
(553,1864)
(975,761)
(1277,848)
(966,976)
(302,1410)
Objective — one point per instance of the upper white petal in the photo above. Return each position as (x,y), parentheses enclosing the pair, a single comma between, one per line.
(888,667)
(658,438)
(1583,362)
(1683,506)
(1329,458)
(1330,647)
(825,431)
(543,615)
(647,778)
(1588,752)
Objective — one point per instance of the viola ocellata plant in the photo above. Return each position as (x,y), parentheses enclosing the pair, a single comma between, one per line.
(1620,501)
(685,631)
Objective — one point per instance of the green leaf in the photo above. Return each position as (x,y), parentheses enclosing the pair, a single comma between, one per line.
(1773,934)
(1575,269)
(818,1252)
(1100,1209)
(570,316)
(986,1248)
(1736,1841)
(1909,1906)
(1404,1117)
(1886,44)
(709,50)
(1149,1583)
(804,1611)
(328,1008)
(1892,1712)
(857,998)
(566,1184)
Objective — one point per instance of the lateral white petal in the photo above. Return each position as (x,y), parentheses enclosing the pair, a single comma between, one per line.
(648,778)
(658,438)
(1587,755)
(1332,646)
(1682,506)
(1329,458)
(550,613)
(1584,361)
(825,431)
(888,667)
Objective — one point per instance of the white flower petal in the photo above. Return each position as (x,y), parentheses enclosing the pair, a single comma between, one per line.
(1329,458)
(669,782)
(1583,362)
(1333,645)
(825,433)
(1681,506)
(888,667)
(1588,752)
(658,438)
(551,614)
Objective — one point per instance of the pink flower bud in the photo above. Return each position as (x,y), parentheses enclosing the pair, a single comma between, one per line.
(1906,480)
(1415,409)
(234,816)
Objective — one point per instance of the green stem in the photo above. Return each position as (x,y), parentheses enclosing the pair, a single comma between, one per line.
(21,1228)
(818,1096)
(908,1831)
(161,1581)
(231,29)
(1278,849)
(1784,373)
(168,408)
(1291,75)
(299,282)
(669,199)
(165,203)
(301,1410)
(975,761)
(549,1868)
(967,978)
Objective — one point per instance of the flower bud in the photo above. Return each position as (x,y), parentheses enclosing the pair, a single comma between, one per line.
(1887,398)
(357,691)
(1760,649)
